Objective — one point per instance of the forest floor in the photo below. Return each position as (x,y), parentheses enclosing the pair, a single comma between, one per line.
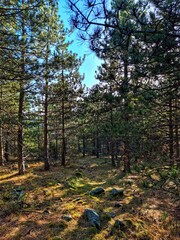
(38,204)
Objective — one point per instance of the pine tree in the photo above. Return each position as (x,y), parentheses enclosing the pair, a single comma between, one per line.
(66,92)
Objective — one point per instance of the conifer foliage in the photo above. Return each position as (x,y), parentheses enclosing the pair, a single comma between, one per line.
(138,42)
(34,63)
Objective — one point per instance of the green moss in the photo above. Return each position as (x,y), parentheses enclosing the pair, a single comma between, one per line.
(92,230)
(105,217)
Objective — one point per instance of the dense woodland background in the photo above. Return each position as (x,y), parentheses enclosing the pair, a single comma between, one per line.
(131,115)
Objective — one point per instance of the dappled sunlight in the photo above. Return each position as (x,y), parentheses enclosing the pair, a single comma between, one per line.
(7,176)
(48,196)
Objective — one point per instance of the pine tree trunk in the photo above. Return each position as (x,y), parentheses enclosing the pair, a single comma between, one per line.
(63,153)
(21,166)
(177,148)
(46,157)
(1,133)
(127,158)
(94,145)
(112,138)
(63,150)
(171,137)
(6,153)
(56,147)
(126,117)
(84,146)
(112,153)
(97,139)
(1,148)
(46,150)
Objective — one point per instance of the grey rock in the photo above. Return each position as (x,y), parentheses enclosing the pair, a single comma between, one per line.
(115,192)
(97,191)
(46,211)
(67,218)
(93,217)
(18,193)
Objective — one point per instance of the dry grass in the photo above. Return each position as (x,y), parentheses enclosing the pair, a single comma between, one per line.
(147,212)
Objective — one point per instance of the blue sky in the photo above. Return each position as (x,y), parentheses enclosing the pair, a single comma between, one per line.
(91,61)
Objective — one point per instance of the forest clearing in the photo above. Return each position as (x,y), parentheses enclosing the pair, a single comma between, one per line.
(52,203)
(89,149)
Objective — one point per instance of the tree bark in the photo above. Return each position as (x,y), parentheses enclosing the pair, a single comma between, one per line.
(21,166)
(94,144)
(1,133)
(97,138)
(6,152)
(171,137)
(177,148)
(84,146)
(46,157)
(63,150)
(126,117)
(1,148)
(46,150)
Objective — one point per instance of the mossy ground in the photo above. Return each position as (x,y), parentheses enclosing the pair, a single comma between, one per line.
(147,210)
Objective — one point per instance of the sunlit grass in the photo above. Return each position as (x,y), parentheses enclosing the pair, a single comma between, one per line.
(50,195)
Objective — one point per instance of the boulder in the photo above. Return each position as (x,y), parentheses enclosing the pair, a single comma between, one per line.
(46,211)
(115,192)
(93,217)
(97,191)
(67,218)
